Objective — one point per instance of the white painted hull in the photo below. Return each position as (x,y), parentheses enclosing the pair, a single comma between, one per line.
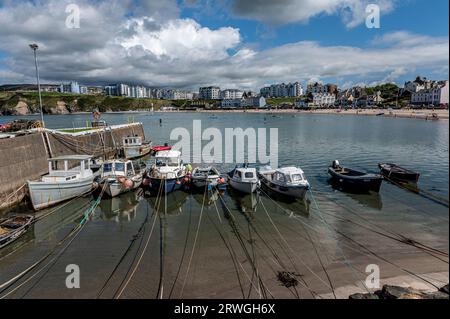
(45,194)
(115,188)
(243,187)
(131,152)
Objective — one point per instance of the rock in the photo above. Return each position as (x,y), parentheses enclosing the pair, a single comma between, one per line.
(363,296)
(394,292)
(61,108)
(444,289)
(21,108)
(436,295)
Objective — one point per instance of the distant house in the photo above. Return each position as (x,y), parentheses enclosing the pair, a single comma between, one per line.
(436,95)
(323,99)
(252,102)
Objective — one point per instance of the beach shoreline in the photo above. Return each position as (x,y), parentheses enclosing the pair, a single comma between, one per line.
(402,113)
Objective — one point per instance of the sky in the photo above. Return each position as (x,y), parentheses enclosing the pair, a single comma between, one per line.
(244,44)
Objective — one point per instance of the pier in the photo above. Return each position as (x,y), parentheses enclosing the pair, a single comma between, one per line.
(24,154)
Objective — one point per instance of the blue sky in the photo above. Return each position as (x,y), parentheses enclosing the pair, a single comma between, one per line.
(231,43)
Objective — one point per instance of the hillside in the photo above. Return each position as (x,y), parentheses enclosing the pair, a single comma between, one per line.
(14,103)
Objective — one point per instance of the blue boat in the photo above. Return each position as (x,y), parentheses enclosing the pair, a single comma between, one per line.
(167,174)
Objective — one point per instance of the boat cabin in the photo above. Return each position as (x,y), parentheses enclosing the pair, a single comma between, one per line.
(132,141)
(168,158)
(67,168)
(118,168)
(286,176)
(245,174)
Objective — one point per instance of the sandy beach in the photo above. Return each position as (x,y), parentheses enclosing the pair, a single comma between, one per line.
(403,113)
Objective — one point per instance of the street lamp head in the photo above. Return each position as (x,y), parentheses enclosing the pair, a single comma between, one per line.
(34,46)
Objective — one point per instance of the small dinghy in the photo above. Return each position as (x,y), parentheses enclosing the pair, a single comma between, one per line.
(354,180)
(120,176)
(288,181)
(243,179)
(159,148)
(13,227)
(397,173)
(205,177)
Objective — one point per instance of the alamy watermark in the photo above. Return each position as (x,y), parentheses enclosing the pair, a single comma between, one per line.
(230,148)
(73,17)
(73,279)
(373,19)
(373,279)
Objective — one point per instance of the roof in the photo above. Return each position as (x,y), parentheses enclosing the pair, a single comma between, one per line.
(168,154)
(289,170)
(71,157)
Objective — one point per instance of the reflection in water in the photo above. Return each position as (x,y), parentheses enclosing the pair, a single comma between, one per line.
(290,205)
(171,203)
(368,200)
(211,197)
(120,208)
(246,203)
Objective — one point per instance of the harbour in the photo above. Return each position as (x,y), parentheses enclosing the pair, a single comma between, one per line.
(223,244)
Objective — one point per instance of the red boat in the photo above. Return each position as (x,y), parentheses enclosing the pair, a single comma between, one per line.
(161,148)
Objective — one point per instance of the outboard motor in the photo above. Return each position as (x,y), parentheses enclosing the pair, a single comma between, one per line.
(335,164)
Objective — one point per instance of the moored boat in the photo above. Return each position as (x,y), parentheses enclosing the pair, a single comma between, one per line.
(354,180)
(243,179)
(398,173)
(134,147)
(120,176)
(62,182)
(13,227)
(205,177)
(167,174)
(288,181)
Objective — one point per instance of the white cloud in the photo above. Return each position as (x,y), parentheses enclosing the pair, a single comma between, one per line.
(113,47)
(353,12)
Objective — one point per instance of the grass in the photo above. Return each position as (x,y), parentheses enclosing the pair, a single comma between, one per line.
(78,130)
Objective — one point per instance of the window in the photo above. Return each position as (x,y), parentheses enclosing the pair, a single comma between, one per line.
(249,175)
(107,167)
(279,177)
(129,168)
(238,174)
(120,167)
(296,177)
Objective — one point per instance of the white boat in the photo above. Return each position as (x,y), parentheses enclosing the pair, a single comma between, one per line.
(288,181)
(134,147)
(63,182)
(168,171)
(243,179)
(205,177)
(120,176)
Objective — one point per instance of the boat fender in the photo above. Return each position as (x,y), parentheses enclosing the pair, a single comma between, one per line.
(178,182)
(221,180)
(186,179)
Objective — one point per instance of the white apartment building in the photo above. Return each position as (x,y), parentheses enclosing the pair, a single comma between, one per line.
(437,95)
(323,99)
(231,94)
(210,93)
(283,90)
(253,102)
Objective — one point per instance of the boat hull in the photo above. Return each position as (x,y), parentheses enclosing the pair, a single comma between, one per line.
(133,152)
(114,188)
(363,183)
(243,187)
(297,192)
(409,177)
(168,185)
(46,194)
(10,237)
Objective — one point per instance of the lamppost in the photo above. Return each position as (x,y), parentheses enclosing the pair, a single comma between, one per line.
(34,47)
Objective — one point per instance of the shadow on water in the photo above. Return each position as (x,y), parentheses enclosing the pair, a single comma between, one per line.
(364,198)
(121,208)
(171,203)
(290,205)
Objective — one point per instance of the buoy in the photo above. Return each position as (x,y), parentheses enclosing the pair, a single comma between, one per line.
(128,183)
(178,182)
(186,179)
(221,180)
